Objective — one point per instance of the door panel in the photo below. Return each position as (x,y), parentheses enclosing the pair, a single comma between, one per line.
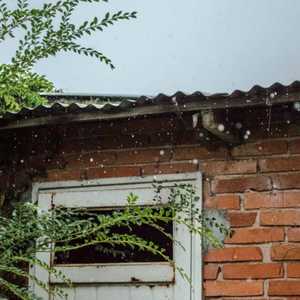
(117,273)
(81,292)
(126,281)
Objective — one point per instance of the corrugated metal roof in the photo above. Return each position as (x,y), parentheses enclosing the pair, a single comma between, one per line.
(62,104)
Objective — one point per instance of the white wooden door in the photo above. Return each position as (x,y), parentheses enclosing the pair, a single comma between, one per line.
(126,281)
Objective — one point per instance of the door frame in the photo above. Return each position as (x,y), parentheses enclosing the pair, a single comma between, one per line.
(196,262)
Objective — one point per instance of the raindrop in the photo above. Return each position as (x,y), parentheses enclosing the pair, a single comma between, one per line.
(238,125)
(162,152)
(195,118)
(221,127)
(195,161)
(297,106)
(174,101)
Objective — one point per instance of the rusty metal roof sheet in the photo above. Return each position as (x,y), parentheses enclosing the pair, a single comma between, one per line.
(70,104)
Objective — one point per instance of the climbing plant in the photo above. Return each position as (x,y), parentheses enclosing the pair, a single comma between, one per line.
(60,230)
(45,31)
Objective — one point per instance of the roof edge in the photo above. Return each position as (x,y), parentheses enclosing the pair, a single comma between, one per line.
(137,109)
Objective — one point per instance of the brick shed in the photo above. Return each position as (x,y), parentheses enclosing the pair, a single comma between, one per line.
(245,144)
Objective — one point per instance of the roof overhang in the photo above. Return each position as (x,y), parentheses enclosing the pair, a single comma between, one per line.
(58,113)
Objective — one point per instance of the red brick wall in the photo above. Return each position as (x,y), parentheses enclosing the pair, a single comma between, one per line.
(262,198)
(257,183)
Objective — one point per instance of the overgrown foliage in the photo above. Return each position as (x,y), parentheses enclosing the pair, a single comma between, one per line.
(19,88)
(29,231)
(46,31)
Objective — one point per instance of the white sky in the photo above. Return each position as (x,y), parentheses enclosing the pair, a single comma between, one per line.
(206,45)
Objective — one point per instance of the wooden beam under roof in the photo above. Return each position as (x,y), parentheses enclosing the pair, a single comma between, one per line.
(217,127)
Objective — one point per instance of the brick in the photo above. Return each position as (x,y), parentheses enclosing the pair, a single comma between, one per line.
(285,252)
(211,272)
(107,142)
(293,270)
(169,168)
(280,217)
(253,271)
(62,175)
(261,148)
(3,181)
(284,288)
(241,219)
(107,172)
(234,254)
(294,146)
(293,130)
(228,167)
(96,129)
(143,156)
(279,164)
(199,152)
(77,146)
(256,235)
(241,184)
(293,234)
(223,202)
(39,162)
(286,181)
(233,288)
(286,199)
(243,298)
(90,160)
